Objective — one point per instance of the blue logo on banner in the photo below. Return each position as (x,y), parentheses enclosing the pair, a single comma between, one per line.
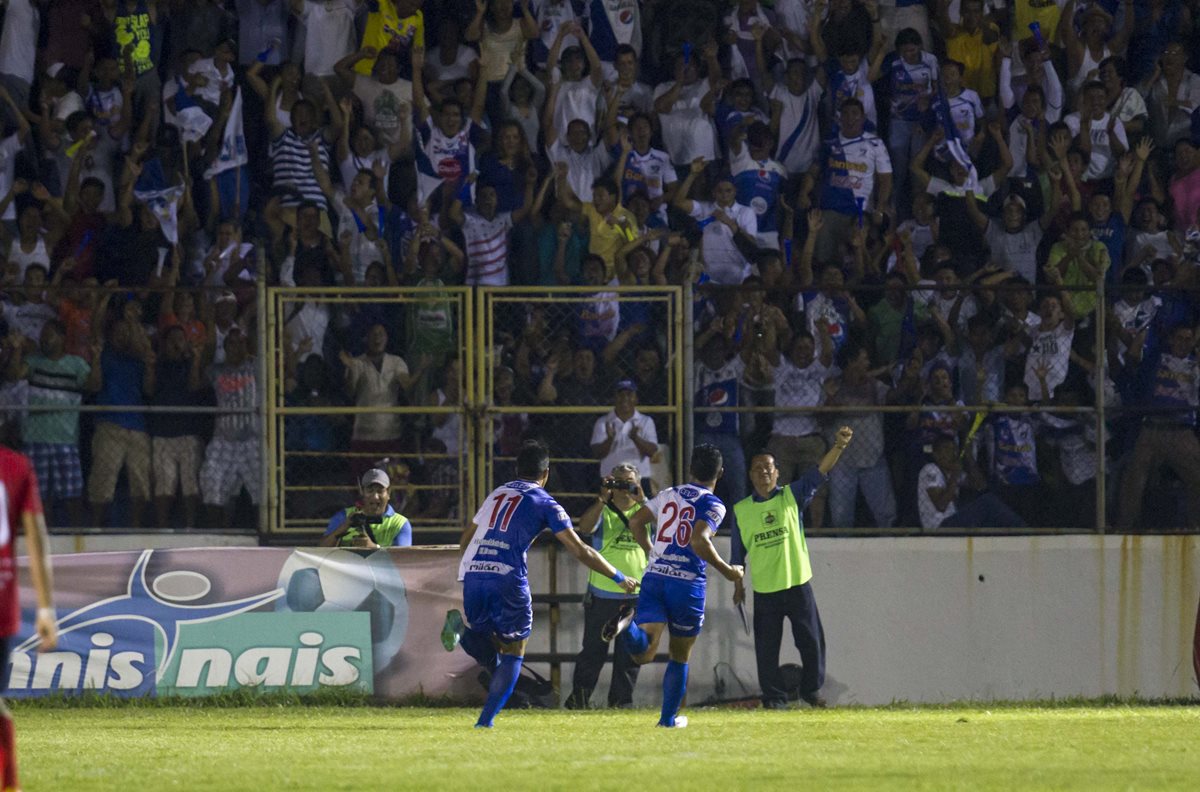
(148,624)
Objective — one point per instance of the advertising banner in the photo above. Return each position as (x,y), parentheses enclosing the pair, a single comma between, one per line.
(213,620)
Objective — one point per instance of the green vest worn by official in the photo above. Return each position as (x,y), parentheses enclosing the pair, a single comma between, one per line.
(385,531)
(774,541)
(620,549)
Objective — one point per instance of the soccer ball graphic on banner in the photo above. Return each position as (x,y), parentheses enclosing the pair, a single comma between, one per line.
(333,579)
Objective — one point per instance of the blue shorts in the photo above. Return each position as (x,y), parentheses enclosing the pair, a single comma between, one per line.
(678,604)
(499,604)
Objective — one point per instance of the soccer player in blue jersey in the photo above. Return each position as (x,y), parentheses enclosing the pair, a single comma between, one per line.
(680,548)
(496,598)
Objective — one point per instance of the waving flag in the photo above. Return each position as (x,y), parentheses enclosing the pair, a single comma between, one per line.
(954,142)
(165,206)
(233,141)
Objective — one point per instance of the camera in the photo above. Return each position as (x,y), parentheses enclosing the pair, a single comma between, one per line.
(363,522)
(617,484)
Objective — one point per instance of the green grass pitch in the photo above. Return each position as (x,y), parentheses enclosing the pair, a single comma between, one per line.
(361,748)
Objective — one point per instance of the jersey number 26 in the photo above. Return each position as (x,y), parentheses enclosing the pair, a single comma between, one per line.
(681,520)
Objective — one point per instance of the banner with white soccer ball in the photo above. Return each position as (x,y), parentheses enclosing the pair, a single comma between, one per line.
(205,621)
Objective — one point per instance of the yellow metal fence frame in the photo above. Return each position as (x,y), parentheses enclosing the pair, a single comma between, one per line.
(475,325)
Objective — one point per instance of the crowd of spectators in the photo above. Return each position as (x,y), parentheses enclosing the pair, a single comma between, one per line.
(909,203)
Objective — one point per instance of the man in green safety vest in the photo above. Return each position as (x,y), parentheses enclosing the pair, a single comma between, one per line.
(372,523)
(768,538)
(607,521)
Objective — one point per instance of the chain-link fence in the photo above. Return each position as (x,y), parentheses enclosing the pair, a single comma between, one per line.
(988,404)
(994,403)
(597,374)
(364,378)
(137,407)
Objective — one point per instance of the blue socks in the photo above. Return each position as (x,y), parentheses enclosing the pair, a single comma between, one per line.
(478,645)
(503,681)
(636,639)
(674,685)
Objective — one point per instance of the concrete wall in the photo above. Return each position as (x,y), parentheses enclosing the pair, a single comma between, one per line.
(927,619)
(944,619)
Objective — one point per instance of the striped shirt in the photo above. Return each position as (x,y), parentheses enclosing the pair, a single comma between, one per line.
(487,248)
(293,166)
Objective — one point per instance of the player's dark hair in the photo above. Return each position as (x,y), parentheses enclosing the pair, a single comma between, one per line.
(533,459)
(706,462)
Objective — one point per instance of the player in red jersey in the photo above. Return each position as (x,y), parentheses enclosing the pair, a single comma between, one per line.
(20,505)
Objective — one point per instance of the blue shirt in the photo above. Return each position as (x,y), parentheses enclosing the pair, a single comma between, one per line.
(676,510)
(122,385)
(510,185)
(506,524)
(1112,234)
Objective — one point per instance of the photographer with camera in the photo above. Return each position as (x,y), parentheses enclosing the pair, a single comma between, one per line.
(372,523)
(607,522)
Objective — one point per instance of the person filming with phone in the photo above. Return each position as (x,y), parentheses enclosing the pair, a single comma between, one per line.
(372,522)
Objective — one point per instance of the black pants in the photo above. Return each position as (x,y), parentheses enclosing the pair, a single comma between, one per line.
(799,606)
(597,611)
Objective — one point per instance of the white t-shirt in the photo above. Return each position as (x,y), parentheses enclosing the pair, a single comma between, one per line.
(723,262)
(1015,252)
(1102,162)
(215,81)
(652,172)
(966,111)
(798,387)
(1052,349)
(550,15)
(386,108)
(9,148)
(329,34)
(18,44)
(28,318)
(362,250)
(850,167)
(310,321)
(487,248)
(799,127)
(352,164)
(576,101)
(687,130)
(931,477)
(582,168)
(436,71)
(623,448)
(855,85)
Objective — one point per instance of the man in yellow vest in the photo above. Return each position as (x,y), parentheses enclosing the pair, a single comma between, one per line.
(768,537)
(607,521)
